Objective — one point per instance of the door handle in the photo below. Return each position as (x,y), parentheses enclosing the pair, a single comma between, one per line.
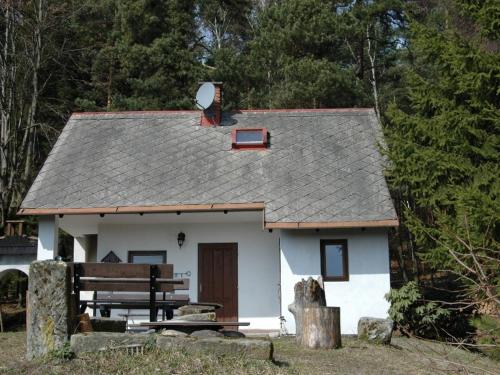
(201,288)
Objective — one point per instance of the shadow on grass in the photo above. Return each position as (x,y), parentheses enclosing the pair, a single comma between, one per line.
(280,363)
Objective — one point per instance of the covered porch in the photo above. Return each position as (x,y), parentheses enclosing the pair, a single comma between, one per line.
(227,255)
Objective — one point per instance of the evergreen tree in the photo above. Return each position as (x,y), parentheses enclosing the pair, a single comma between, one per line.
(147,57)
(296,59)
(444,145)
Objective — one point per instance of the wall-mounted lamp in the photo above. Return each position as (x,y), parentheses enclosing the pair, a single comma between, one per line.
(181,237)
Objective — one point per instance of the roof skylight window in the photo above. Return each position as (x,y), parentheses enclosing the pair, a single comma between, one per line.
(249,138)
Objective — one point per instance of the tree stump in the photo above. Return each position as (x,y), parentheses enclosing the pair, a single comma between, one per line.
(316,326)
(307,294)
(320,327)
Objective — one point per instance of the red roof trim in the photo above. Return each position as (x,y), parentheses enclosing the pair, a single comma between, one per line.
(339,110)
(135,112)
(251,206)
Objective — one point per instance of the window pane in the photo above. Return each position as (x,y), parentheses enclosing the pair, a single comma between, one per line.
(249,136)
(334,260)
(147,259)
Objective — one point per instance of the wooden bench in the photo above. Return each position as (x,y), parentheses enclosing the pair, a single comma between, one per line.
(156,279)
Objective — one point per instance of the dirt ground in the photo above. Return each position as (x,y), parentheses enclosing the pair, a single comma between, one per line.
(12,315)
(404,356)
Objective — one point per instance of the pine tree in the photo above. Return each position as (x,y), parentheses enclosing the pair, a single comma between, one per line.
(444,145)
(147,57)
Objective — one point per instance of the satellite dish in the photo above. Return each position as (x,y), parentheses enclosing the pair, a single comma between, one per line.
(205,95)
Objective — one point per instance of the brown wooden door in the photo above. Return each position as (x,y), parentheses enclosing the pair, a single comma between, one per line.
(218,277)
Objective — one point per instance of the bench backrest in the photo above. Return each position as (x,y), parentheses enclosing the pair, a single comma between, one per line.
(123,270)
(126,277)
(123,297)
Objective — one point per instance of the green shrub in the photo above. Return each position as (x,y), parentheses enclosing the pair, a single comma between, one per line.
(488,334)
(62,354)
(412,314)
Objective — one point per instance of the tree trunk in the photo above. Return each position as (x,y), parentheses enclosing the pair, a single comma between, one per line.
(307,294)
(320,327)
(373,80)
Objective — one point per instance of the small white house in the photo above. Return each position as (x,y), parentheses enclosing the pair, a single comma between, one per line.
(245,204)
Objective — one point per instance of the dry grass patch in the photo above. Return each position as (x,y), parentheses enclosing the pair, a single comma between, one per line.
(405,356)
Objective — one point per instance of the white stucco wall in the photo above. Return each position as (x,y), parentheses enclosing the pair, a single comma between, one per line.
(369,279)
(16,262)
(48,237)
(258,259)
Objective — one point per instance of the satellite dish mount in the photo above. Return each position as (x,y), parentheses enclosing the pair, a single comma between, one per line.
(209,100)
(205,96)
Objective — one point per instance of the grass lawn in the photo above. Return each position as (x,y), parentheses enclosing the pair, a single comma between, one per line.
(404,356)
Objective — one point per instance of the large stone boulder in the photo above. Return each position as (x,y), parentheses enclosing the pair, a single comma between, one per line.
(194,309)
(233,334)
(375,330)
(173,333)
(207,333)
(99,341)
(205,317)
(252,349)
(50,311)
(108,324)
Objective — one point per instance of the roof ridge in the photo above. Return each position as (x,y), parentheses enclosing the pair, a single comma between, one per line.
(341,110)
(277,110)
(135,112)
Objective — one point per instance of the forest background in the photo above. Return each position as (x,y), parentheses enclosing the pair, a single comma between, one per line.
(431,70)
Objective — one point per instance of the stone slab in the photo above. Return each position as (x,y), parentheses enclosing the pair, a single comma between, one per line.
(194,309)
(49,313)
(206,333)
(206,317)
(252,349)
(98,341)
(172,333)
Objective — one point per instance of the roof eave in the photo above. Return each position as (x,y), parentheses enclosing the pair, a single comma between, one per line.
(334,224)
(216,207)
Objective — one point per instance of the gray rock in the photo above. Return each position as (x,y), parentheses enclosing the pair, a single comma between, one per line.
(108,324)
(172,333)
(49,307)
(194,309)
(375,330)
(206,317)
(273,334)
(252,349)
(233,334)
(206,333)
(99,341)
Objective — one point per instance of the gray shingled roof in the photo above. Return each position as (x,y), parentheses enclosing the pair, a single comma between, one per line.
(18,245)
(321,166)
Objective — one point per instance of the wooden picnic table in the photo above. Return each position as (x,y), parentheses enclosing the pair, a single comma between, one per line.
(164,301)
(106,303)
(191,326)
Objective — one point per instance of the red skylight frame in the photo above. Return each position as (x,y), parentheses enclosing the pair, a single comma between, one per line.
(262,144)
